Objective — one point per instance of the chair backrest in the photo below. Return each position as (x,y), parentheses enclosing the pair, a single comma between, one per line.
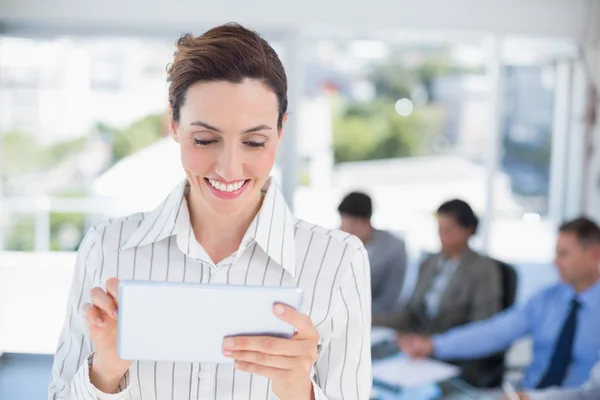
(494,364)
(509,283)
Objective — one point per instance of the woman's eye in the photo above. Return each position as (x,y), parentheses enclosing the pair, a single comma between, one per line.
(255,144)
(201,142)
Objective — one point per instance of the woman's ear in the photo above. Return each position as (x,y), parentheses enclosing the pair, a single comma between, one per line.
(172,126)
(283,121)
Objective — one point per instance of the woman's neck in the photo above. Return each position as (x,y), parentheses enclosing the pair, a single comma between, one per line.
(219,235)
(455,254)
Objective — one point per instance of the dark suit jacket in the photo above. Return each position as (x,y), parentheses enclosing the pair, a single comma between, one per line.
(473,293)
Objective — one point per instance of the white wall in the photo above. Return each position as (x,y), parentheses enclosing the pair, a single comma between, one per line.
(553,17)
(33,300)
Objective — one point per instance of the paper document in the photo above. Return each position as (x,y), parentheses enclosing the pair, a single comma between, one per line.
(401,371)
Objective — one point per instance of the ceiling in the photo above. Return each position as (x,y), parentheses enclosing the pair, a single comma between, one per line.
(571,19)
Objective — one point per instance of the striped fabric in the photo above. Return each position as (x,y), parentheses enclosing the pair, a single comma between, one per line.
(330,266)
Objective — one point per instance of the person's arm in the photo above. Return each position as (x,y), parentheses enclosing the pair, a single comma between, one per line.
(71,367)
(343,369)
(589,391)
(482,338)
(566,394)
(390,289)
(487,299)
(400,318)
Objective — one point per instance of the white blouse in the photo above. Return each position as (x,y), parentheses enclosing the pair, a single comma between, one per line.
(330,266)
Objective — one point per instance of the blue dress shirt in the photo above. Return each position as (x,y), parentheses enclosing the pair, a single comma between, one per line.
(542,317)
(589,391)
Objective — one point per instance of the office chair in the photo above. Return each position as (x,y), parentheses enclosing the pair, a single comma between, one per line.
(509,281)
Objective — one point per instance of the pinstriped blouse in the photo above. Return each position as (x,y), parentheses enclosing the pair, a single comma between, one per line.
(330,266)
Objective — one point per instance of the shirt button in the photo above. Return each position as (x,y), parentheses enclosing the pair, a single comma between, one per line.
(202,375)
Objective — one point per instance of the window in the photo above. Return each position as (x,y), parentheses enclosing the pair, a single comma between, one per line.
(66,122)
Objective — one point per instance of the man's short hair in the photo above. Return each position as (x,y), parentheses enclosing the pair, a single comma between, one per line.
(586,230)
(356,204)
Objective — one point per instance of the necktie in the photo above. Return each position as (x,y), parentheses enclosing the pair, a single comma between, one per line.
(563,351)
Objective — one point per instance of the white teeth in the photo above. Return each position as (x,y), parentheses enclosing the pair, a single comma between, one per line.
(232,187)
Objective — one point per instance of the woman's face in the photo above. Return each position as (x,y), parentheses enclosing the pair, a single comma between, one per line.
(454,237)
(229,138)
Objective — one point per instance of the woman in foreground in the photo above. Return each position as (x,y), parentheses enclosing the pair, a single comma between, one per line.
(227,223)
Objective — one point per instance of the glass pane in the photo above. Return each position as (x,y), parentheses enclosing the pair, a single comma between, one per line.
(523,234)
(82,139)
(65,123)
(20,233)
(403,120)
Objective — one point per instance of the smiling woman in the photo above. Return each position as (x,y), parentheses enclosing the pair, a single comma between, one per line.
(219,153)
(227,223)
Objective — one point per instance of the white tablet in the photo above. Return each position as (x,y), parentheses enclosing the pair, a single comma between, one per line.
(188,322)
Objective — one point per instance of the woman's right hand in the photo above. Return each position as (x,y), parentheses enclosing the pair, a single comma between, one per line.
(101,317)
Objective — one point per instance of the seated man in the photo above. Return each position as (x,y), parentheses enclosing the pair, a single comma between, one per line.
(387,253)
(563,319)
(589,391)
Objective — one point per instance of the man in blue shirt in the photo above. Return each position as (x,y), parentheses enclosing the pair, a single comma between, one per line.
(589,391)
(563,320)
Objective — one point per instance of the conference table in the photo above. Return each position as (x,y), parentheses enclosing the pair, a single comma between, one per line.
(451,389)
(385,353)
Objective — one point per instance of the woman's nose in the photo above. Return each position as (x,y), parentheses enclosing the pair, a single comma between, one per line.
(229,164)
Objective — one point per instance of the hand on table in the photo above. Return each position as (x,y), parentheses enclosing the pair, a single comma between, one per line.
(415,346)
(522,396)
(287,362)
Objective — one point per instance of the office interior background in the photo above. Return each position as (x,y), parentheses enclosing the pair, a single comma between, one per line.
(415,103)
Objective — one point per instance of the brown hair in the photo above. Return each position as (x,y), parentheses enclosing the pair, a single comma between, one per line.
(229,53)
(586,231)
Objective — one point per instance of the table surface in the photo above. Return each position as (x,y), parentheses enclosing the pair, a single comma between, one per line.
(452,389)
(455,388)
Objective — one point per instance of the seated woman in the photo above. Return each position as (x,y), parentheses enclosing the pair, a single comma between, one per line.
(455,286)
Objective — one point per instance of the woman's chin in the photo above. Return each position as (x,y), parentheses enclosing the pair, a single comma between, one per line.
(226,208)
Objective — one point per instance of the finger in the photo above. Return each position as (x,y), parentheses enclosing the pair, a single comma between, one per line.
(268,372)
(104,302)
(303,324)
(266,360)
(93,315)
(405,344)
(415,340)
(112,288)
(269,345)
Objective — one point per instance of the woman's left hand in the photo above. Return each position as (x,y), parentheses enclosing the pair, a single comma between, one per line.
(287,362)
